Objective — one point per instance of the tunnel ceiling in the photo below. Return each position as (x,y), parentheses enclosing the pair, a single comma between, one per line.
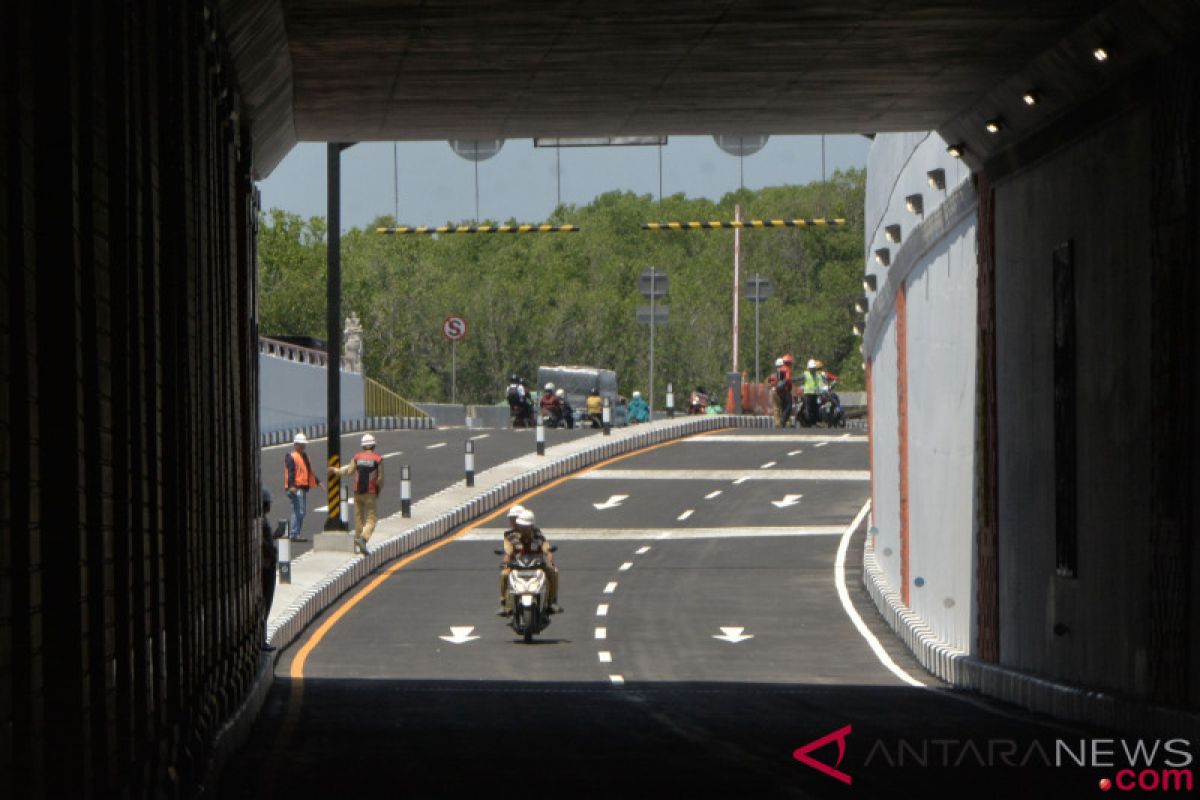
(360,70)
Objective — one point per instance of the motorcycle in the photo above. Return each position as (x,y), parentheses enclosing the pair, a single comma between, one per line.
(528,589)
(830,410)
(807,412)
(698,403)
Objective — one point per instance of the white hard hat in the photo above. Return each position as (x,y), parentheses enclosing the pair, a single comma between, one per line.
(516,511)
(525,517)
(549,387)
(779,362)
(559,393)
(300,439)
(368,440)
(637,394)
(812,363)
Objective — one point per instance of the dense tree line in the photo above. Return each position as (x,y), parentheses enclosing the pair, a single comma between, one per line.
(554,299)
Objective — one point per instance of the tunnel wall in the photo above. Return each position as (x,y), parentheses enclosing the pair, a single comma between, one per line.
(130,600)
(922,448)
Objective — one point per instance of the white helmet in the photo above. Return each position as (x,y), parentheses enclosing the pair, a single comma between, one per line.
(516,511)
(368,440)
(637,394)
(525,518)
(549,387)
(560,393)
(812,363)
(300,438)
(779,362)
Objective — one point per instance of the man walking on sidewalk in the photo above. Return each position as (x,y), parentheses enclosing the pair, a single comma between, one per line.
(298,478)
(367,467)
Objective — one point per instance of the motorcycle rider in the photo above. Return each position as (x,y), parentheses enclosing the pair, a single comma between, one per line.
(595,408)
(550,406)
(781,393)
(698,402)
(814,382)
(524,539)
(567,412)
(638,410)
(519,403)
(513,513)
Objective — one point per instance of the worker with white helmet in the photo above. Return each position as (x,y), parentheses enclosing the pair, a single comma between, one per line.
(527,538)
(367,467)
(298,478)
(814,383)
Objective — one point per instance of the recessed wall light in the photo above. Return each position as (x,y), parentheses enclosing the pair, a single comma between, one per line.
(956,150)
(937,179)
(892,233)
(884,257)
(1031,98)
(993,125)
(870,282)
(862,305)
(915,203)
(1100,54)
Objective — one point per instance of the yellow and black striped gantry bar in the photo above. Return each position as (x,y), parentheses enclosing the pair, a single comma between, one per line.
(818,222)
(440,229)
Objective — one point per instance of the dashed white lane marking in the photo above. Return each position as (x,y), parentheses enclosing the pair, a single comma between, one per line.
(643,550)
(617,680)
(795,452)
(820,444)
(839,578)
(605,657)
(480,436)
(601,633)
(767,465)
(628,565)
(612,587)
(397,453)
(741,480)
(684,515)
(660,534)
(435,446)
(797,437)
(711,495)
(602,610)
(735,475)
(844,436)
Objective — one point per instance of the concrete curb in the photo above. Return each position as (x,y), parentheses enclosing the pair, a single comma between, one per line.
(1062,701)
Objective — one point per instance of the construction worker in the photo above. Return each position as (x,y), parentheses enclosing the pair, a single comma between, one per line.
(367,467)
(298,478)
(814,382)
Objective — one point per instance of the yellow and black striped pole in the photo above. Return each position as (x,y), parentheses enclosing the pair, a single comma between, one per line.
(448,229)
(335,494)
(817,222)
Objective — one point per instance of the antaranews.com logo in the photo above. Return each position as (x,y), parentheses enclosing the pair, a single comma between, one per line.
(1131,765)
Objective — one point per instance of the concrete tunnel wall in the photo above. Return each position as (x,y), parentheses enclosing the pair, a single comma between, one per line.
(939,274)
(293,395)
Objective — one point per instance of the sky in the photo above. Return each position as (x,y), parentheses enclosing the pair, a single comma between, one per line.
(436,186)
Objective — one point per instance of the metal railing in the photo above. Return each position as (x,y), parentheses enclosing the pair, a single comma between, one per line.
(293,352)
(381,401)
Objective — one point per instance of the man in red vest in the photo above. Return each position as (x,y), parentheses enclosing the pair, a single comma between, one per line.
(298,478)
(367,467)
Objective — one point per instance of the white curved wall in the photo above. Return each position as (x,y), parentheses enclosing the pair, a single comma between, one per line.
(292,395)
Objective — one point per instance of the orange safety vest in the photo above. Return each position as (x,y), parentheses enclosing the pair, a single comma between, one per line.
(367,463)
(297,472)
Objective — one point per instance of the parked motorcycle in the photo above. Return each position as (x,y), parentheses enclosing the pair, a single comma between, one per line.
(807,411)
(528,588)
(830,409)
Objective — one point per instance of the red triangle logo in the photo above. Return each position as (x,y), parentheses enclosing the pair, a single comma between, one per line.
(801,754)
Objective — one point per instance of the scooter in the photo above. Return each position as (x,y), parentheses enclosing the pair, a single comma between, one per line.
(807,412)
(830,411)
(522,413)
(528,590)
(698,404)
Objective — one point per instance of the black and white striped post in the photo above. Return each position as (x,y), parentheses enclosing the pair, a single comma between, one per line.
(607,417)
(470,459)
(284,547)
(541,436)
(405,492)
(670,402)
(345,505)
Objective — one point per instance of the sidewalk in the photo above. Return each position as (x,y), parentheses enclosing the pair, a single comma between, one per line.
(319,578)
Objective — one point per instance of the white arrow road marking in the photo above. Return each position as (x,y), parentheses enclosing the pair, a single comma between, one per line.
(711,495)
(628,565)
(602,610)
(435,446)
(684,515)
(617,680)
(612,587)
(643,550)
(459,635)
(795,452)
(734,635)
(788,500)
(601,633)
(605,657)
(612,502)
(767,465)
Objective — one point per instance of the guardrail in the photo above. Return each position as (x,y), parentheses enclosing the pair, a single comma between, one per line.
(296,353)
(381,401)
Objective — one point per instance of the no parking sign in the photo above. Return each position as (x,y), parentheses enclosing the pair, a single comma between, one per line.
(454,328)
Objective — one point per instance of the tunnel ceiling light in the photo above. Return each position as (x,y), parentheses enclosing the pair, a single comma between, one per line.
(892,233)
(1100,54)
(884,257)
(1031,98)
(937,179)
(993,125)
(956,150)
(915,204)
(862,305)
(870,283)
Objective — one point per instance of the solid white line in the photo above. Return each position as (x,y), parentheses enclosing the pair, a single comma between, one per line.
(767,465)
(602,610)
(612,587)
(711,495)
(644,550)
(617,680)
(839,578)
(732,439)
(601,633)
(435,446)
(628,565)
(684,515)
(659,534)
(605,657)
(736,475)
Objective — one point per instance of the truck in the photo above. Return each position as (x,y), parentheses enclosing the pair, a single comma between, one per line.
(578,382)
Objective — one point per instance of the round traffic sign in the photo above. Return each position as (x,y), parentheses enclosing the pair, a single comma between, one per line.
(454,328)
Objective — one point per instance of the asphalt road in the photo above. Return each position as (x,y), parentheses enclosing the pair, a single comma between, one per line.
(697,652)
